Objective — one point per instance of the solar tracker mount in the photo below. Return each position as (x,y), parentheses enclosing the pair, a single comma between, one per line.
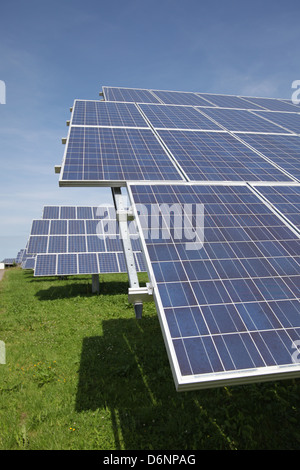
(229,307)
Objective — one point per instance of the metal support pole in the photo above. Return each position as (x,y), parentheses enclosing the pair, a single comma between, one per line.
(122,217)
(95,284)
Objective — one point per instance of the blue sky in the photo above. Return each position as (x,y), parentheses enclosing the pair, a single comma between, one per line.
(54,52)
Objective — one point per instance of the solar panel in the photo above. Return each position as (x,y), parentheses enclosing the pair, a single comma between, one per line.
(129,94)
(229,310)
(241,120)
(181,98)
(218,156)
(110,156)
(20,255)
(102,113)
(28,263)
(51,212)
(273,104)
(286,199)
(181,117)
(289,121)
(283,150)
(229,101)
(94,245)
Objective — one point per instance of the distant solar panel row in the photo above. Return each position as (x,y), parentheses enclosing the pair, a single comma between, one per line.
(79,212)
(84,263)
(229,309)
(28,263)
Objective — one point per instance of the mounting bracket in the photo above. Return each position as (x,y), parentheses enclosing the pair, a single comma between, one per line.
(136,294)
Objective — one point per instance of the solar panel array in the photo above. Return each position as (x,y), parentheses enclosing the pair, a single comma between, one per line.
(229,305)
(71,240)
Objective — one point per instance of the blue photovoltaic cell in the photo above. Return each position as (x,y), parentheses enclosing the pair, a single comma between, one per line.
(67,264)
(58,227)
(37,244)
(282,150)
(76,227)
(290,121)
(45,265)
(108,155)
(229,101)
(108,263)
(180,117)
(218,156)
(231,306)
(68,212)
(57,244)
(51,212)
(40,227)
(129,94)
(101,113)
(84,212)
(87,263)
(181,98)
(242,120)
(271,104)
(95,244)
(286,199)
(29,263)
(77,244)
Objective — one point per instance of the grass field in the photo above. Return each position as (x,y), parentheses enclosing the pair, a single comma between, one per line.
(82,373)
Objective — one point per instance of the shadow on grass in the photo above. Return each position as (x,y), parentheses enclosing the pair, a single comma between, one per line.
(126,371)
(75,289)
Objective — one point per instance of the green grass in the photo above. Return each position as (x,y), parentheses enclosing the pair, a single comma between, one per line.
(82,373)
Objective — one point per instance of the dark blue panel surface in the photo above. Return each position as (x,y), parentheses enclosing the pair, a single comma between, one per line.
(45,265)
(286,199)
(66,264)
(280,149)
(40,227)
(218,156)
(272,104)
(233,304)
(229,101)
(289,121)
(240,120)
(180,117)
(116,154)
(87,263)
